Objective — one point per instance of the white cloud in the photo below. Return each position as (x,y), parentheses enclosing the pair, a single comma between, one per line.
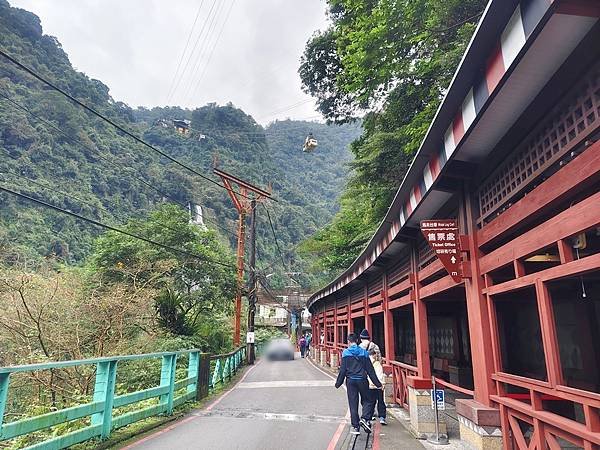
(134,47)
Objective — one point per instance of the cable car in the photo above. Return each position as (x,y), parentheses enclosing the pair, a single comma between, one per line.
(309,144)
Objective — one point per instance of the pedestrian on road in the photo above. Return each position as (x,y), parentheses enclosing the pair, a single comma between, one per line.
(308,341)
(302,344)
(377,395)
(355,368)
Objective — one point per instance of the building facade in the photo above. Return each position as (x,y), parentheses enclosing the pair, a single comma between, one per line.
(513,154)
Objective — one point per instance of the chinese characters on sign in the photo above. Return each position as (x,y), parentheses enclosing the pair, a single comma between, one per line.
(442,236)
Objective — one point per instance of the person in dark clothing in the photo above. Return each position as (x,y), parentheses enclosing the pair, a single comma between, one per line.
(377,396)
(302,344)
(355,368)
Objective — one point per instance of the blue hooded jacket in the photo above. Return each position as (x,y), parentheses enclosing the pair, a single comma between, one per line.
(356,365)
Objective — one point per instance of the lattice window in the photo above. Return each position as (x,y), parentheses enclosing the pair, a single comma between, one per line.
(569,123)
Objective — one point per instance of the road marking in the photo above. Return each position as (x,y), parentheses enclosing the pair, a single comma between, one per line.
(340,429)
(284,384)
(376,434)
(191,416)
(285,417)
(338,433)
(217,401)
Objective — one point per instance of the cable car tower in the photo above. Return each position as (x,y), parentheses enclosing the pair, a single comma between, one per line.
(243,202)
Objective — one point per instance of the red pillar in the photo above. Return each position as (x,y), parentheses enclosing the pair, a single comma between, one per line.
(368,320)
(478,318)
(349,325)
(335,325)
(420,318)
(388,323)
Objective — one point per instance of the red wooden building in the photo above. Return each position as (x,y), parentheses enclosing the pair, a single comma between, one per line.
(513,154)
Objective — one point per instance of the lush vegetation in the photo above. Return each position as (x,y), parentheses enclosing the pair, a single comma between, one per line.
(54,150)
(72,290)
(129,297)
(389,62)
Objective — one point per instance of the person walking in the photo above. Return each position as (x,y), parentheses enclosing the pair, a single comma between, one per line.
(356,367)
(302,344)
(308,341)
(377,394)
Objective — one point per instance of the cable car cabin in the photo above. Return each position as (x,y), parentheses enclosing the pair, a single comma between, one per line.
(309,144)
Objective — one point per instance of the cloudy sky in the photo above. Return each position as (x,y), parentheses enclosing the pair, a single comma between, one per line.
(243,51)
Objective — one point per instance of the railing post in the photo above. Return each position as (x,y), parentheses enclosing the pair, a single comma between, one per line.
(203,375)
(215,375)
(4,380)
(193,371)
(104,391)
(167,378)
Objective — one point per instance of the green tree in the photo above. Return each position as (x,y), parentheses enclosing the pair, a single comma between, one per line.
(191,286)
(389,62)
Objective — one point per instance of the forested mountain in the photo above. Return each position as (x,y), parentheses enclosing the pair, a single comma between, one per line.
(54,150)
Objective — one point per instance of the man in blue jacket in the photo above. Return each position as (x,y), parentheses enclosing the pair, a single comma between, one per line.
(356,366)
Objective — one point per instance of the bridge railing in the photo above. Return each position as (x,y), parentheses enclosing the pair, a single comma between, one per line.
(223,367)
(107,410)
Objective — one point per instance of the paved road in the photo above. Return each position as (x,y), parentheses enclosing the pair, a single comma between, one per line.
(277,405)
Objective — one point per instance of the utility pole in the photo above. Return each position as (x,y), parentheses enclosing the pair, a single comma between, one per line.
(243,204)
(253,282)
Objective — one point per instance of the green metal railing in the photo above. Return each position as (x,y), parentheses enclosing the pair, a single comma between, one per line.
(204,374)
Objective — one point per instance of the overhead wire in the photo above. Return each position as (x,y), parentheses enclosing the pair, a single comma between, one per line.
(275,236)
(109,161)
(71,196)
(202,50)
(286,108)
(115,229)
(187,43)
(110,121)
(212,51)
(272,295)
(191,55)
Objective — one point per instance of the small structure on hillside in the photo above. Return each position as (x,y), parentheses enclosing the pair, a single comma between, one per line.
(182,125)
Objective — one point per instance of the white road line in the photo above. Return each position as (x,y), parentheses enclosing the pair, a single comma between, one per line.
(284,384)
(285,417)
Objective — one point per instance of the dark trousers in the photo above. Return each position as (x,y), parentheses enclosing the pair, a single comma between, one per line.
(377,400)
(302,351)
(356,388)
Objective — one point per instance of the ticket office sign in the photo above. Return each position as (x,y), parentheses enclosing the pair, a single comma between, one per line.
(443,237)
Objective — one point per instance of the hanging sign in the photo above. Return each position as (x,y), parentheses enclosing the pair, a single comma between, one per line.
(442,236)
(250,337)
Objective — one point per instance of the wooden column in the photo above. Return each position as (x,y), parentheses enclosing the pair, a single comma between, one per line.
(368,320)
(350,326)
(335,324)
(548,328)
(420,318)
(478,317)
(388,323)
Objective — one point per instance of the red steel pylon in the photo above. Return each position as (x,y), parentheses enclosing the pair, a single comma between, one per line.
(242,202)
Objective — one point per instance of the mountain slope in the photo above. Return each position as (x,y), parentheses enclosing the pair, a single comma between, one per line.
(53,150)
